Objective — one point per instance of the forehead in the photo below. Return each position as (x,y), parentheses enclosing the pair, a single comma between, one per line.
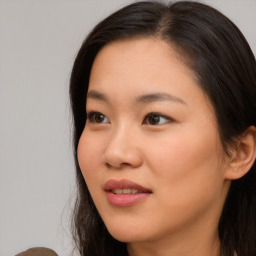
(145,59)
(142,65)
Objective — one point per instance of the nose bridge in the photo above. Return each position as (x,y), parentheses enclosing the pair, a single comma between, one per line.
(122,147)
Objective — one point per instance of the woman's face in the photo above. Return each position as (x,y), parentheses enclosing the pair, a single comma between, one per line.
(150,151)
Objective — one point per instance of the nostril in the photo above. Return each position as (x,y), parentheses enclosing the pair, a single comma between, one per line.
(108,165)
(117,165)
(119,155)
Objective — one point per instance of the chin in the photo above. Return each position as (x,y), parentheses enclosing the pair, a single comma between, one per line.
(124,235)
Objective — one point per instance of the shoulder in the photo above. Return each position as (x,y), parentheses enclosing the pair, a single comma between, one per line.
(38,251)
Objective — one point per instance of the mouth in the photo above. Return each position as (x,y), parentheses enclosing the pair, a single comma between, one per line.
(124,187)
(123,193)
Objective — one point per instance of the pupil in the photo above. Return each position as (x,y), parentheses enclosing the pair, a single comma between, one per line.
(99,118)
(154,119)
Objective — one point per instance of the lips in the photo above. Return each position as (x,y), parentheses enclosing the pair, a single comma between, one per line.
(123,193)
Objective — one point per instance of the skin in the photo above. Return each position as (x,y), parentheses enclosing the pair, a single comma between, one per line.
(180,159)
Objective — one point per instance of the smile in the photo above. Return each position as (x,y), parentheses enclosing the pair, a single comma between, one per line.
(121,191)
(124,193)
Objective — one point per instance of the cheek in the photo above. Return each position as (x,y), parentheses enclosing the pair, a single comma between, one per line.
(88,154)
(181,154)
(188,178)
(189,163)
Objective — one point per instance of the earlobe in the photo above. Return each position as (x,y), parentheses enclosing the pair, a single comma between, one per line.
(243,156)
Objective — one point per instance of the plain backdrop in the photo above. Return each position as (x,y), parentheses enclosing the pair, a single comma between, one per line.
(38,43)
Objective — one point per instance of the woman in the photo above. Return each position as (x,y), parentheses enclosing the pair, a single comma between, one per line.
(164,101)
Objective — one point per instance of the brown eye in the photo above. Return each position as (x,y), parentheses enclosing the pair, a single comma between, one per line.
(153,119)
(99,118)
(156,119)
(95,117)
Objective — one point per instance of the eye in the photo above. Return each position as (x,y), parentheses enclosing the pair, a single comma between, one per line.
(156,119)
(96,117)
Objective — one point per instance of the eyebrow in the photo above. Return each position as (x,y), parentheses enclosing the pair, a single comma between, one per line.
(146,98)
(97,96)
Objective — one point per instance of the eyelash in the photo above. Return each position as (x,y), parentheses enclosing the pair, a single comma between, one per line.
(159,117)
(91,116)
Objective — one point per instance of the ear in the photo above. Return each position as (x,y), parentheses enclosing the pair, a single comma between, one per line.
(243,156)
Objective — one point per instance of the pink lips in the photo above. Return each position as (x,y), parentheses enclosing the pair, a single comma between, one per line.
(123,193)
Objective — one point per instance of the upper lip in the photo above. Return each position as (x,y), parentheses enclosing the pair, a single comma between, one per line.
(124,184)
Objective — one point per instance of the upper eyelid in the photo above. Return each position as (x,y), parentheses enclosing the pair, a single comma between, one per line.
(92,112)
(90,115)
(159,114)
(150,113)
(156,113)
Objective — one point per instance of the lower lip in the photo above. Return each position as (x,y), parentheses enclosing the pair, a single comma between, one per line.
(124,200)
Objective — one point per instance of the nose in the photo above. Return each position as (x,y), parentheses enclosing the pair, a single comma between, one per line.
(122,150)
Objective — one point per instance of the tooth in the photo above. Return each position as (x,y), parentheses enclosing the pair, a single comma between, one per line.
(118,191)
(134,191)
(121,191)
(126,191)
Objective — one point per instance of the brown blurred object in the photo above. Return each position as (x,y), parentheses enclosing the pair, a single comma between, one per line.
(38,251)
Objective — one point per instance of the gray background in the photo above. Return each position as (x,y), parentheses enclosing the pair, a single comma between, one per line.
(38,42)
